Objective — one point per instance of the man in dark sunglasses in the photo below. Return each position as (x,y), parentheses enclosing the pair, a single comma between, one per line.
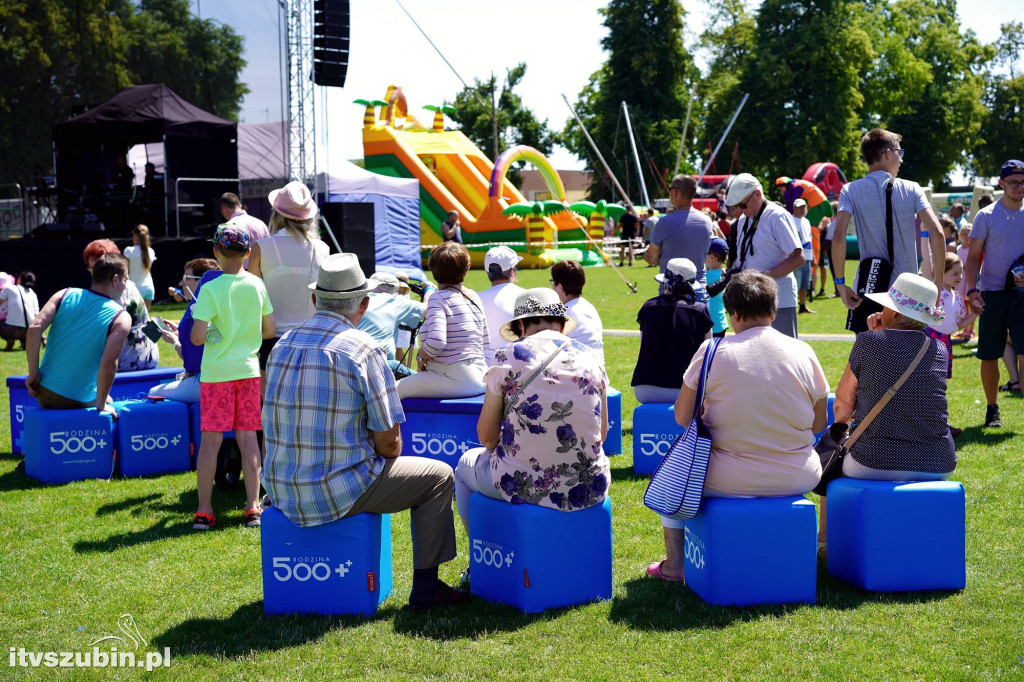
(884,209)
(767,240)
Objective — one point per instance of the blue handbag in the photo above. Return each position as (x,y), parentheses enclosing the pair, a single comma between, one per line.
(678,483)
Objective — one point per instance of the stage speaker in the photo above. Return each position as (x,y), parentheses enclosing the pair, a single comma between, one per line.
(90,230)
(330,42)
(353,226)
(52,231)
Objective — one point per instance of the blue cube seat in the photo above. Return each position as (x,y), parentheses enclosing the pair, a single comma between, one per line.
(613,443)
(152,437)
(892,536)
(535,558)
(68,445)
(441,429)
(761,550)
(654,429)
(339,568)
(126,385)
(831,418)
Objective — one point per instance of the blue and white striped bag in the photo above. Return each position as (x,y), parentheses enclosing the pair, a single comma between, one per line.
(678,483)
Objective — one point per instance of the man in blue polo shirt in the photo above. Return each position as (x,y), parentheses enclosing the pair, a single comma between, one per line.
(998,292)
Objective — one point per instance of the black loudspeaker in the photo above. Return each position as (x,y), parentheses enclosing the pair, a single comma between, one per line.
(330,42)
(53,231)
(353,225)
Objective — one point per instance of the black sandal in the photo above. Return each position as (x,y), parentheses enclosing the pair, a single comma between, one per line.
(1010,386)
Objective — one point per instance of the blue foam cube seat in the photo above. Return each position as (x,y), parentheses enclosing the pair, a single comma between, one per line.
(68,445)
(126,385)
(831,418)
(654,429)
(893,536)
(152,437)
(339,568)
(535,558)
(441,429)
(613,443)
(746,551)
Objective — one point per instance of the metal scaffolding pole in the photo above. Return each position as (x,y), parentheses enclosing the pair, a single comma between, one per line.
(301,91)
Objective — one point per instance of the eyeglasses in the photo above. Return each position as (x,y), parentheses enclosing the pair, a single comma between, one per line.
(191,277)
(1016,184)
(899,152)
(743,204)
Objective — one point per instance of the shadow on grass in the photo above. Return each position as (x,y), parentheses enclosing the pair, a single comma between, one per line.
(663,606)
(626,474)
(478,617)
(176,522)
(983,436)
(14,480)
(248,629)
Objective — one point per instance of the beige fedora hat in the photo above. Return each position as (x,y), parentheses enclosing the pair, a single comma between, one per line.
(341,277)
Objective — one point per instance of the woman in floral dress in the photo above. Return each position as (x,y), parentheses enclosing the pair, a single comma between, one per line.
(542,423)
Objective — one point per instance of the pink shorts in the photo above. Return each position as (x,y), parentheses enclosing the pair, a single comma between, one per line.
(227,405)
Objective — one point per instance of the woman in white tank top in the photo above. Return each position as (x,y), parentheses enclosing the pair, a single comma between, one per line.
(288,260)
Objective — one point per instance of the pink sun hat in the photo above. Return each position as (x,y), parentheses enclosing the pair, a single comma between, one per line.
(293,201)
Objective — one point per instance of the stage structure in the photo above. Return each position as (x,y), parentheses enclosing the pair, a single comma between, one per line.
(317,45)
(97,190)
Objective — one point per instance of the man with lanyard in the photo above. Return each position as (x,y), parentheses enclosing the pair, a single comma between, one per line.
(998,231)
(883,208)
(767,240)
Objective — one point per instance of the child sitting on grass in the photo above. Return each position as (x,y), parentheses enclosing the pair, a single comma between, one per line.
(958,314)
(714,269)
(232,316)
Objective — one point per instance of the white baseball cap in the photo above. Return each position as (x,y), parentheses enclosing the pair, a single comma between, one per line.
(503,256)
(741,187)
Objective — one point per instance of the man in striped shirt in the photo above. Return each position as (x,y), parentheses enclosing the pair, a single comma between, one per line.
(331,421)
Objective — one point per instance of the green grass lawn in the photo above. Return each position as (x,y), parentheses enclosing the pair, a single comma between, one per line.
(77,556)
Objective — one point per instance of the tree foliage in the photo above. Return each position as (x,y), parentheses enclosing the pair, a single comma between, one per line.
(650,69)
(517,124)
(805,92)
(58,57)
(1002,130)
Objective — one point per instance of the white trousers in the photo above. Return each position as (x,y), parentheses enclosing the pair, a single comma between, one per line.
(462,379)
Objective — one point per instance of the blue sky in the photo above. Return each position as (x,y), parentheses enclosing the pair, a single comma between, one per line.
(558,40)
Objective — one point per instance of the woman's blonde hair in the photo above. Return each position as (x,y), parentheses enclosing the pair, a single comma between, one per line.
(306,229)
(141,232)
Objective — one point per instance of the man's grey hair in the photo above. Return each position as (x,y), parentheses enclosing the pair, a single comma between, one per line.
(342,306)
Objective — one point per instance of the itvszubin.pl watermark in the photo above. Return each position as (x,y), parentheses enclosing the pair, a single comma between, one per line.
(118,652)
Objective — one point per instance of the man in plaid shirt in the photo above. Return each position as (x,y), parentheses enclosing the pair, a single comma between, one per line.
(331,424)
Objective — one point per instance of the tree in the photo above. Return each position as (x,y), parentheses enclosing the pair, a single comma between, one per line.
(649,68)
(517,124)
(805,91)
(927,85)
(58,58)
(1002,130)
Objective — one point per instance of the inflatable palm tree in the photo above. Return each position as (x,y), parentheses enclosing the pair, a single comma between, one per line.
(370,115)
(439,113)
(596,215)
(539,233)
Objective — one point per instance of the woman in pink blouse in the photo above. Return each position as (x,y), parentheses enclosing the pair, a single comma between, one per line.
(544,418)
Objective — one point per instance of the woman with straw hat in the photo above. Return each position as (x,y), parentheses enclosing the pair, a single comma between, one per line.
(909,440)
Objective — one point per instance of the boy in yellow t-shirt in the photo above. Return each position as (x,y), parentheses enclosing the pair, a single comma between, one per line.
(232,315)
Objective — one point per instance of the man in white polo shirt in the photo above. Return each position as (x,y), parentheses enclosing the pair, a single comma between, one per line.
(500,299)
(767,240)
